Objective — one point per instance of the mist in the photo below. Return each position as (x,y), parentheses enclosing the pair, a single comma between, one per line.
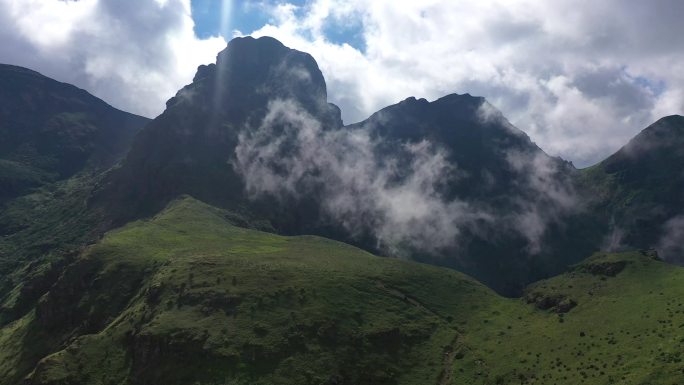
(399,197)
(552,196)
(671,244)
(396,197)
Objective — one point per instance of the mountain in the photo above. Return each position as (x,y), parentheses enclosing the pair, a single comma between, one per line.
(50,131)
(641,189)
(525,206)
(254,133)
(188,149)
(188,297)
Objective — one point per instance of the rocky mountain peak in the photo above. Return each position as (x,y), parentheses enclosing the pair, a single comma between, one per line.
(248,74)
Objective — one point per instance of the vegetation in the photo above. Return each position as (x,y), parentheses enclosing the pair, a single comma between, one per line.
(187,297)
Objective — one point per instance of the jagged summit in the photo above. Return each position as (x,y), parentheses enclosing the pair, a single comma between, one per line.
(495,167)
(470,127)
(265,61)
(190,147)
(461,99)
(454,98)
(248,74)
(465,104)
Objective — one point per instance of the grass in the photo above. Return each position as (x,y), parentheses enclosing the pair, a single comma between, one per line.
(17,178)
(625,329)
(40,233)
(188,298)
(239,302)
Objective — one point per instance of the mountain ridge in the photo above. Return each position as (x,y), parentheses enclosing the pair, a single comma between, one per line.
(51,130)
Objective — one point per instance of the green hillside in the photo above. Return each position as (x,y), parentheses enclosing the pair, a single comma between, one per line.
(187,297)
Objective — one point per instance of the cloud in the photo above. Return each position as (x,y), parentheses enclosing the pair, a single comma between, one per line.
(134,54)
(399,195)
(671,245)
(580,78)
(394,197)
(550,196)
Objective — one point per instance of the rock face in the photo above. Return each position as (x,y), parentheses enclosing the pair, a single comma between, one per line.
(50,131)
(525,203)
(557,303)
(189,148)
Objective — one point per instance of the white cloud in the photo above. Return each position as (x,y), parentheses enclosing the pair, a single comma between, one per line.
(580,77)
(290,154)
(135,54)
(671,245)
(397,198)
(554,197)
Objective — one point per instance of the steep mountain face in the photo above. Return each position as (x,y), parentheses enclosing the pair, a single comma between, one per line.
(642,190)
(189,148)
(49,131)
(520,209)
(55,142)
(478,145)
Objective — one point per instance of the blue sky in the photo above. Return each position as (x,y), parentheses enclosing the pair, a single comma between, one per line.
(211,16)
(242,15)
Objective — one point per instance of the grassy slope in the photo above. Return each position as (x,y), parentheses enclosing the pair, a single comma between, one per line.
(217,301)
(186,297)
(625,329)
(40,233)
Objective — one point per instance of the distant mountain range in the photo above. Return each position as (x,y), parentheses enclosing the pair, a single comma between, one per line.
(105,239)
